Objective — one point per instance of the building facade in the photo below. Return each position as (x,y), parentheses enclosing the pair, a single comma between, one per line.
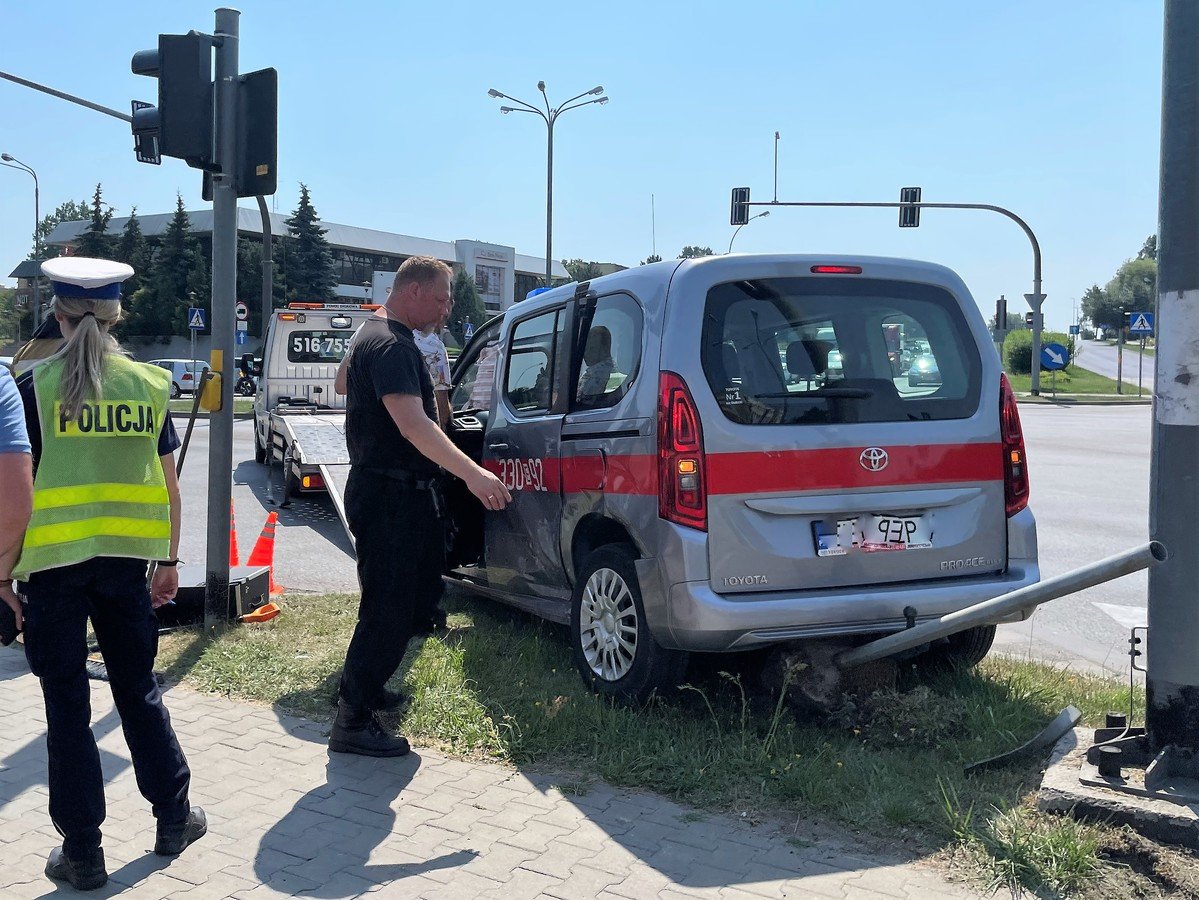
(361,254)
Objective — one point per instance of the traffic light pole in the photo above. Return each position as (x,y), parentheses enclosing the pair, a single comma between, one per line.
(1172,707)
(1035,300)
(224,293)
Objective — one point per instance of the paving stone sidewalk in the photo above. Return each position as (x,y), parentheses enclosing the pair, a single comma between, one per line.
(287,818)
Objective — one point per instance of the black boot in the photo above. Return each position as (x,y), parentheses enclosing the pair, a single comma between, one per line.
(355,730)
(173,839)
(84,874)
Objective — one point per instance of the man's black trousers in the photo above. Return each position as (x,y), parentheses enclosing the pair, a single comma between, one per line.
(112,593)
(400,541)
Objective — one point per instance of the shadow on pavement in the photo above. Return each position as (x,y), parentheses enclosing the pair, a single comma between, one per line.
(314,511)
(339,826)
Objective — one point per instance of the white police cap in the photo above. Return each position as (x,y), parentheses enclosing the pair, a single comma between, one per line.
(81,277)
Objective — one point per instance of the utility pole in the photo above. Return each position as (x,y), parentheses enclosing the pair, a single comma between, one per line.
(224,298)
(1172,715)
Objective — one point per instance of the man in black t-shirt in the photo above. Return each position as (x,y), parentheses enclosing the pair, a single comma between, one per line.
(396,449)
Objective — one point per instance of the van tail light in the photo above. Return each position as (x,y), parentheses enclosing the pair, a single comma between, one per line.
(1015,463)
(312,482)
(682,469)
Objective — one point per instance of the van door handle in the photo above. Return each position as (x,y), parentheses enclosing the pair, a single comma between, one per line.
(497,446)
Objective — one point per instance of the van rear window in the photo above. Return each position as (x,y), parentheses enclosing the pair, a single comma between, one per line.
(811,351)
(317,346)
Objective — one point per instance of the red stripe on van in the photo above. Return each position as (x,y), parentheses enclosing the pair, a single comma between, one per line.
(841,468)
(766,472)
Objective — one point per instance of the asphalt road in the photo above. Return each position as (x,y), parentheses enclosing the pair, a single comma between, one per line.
(1097,356)
(1089,469)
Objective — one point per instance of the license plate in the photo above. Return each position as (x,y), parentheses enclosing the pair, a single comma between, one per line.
(890,532)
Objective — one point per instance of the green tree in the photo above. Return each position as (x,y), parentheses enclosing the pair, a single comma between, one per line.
(1017,348)
(1133,288)
(95,240)
(652,258)
(690,252)
(70,211)
(14,323)
(249,282)
(1149,248)
(178,271)
(468,307)
(581,270)
(309,261)
(1100,309)
(133,249)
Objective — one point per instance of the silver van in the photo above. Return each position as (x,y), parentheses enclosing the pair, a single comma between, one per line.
(727,453)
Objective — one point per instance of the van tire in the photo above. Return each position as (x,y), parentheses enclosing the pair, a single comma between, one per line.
(653,668)
(963,650)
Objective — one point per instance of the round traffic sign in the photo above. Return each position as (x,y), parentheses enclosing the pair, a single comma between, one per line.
(243,311)
(1054,356)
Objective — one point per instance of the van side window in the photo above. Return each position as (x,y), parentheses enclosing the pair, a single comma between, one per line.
(528,382)
(611,352)
(473,384)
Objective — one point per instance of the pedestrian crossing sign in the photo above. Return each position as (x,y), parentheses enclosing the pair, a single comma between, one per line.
(1140,323)
(195,318)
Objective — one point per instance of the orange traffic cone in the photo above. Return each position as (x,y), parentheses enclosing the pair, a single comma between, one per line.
(263,553)
(232,537)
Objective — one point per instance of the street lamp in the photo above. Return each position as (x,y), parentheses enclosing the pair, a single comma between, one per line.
(743,224)
(549,116)
(13,163)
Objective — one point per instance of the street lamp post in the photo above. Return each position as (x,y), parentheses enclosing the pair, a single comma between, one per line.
(13,163)
(549,116)
(743,224)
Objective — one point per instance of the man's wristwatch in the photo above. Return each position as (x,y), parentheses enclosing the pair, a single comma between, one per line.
(169,563)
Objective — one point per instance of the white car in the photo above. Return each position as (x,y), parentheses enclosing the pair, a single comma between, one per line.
(185,374)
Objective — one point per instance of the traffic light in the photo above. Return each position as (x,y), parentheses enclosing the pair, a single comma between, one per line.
(739,214)
(182,123)
(1127,319)
(255,167)
(909,216)
(1028,319)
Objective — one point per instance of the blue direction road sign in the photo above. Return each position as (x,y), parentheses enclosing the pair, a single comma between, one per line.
(1054,356)
(241,337)
(1140,323)
(1074,329)
(195,318)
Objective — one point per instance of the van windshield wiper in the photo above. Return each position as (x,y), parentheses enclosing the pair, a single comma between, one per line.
(832,393)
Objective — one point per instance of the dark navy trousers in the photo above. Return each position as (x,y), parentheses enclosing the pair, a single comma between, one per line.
(58,603)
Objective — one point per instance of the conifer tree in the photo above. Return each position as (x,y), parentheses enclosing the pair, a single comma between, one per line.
(309,270)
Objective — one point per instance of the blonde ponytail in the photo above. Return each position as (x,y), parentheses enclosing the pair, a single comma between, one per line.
(84,353)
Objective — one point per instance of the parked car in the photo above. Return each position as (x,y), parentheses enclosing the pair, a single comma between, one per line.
(722,493)
(185,374)
(924,371)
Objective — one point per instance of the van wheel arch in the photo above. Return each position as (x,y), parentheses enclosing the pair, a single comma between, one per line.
(594,531)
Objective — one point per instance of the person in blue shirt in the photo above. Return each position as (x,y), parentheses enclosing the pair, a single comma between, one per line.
(16,486)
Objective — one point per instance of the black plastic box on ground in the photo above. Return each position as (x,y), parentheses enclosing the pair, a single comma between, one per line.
(249,588)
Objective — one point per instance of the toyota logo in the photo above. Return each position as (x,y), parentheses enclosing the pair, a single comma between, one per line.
(874,459)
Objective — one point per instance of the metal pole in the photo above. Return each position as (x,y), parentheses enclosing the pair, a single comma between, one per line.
(1172,684)
(63,95)
(268,269)
(990,611)
(1120,360)
(37,251)
(224,290)
(549,202)
(776,167)
(1141,367)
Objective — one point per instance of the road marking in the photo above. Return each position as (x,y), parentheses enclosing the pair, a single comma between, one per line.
(1128,616)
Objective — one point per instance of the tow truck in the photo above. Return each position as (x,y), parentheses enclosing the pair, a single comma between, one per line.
(299,420)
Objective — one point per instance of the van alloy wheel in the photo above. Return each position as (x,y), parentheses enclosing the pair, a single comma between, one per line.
(608,625)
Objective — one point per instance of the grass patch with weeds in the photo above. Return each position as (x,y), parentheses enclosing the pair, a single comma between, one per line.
(1072,380)
(501,685)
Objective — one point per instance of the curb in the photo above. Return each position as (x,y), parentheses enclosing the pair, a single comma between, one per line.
(1084,400)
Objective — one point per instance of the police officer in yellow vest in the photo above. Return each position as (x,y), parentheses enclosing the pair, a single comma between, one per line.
(105,502)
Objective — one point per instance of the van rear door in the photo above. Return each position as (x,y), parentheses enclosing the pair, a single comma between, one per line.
(833,460)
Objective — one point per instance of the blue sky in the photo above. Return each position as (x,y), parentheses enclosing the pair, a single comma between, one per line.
(1050,109)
